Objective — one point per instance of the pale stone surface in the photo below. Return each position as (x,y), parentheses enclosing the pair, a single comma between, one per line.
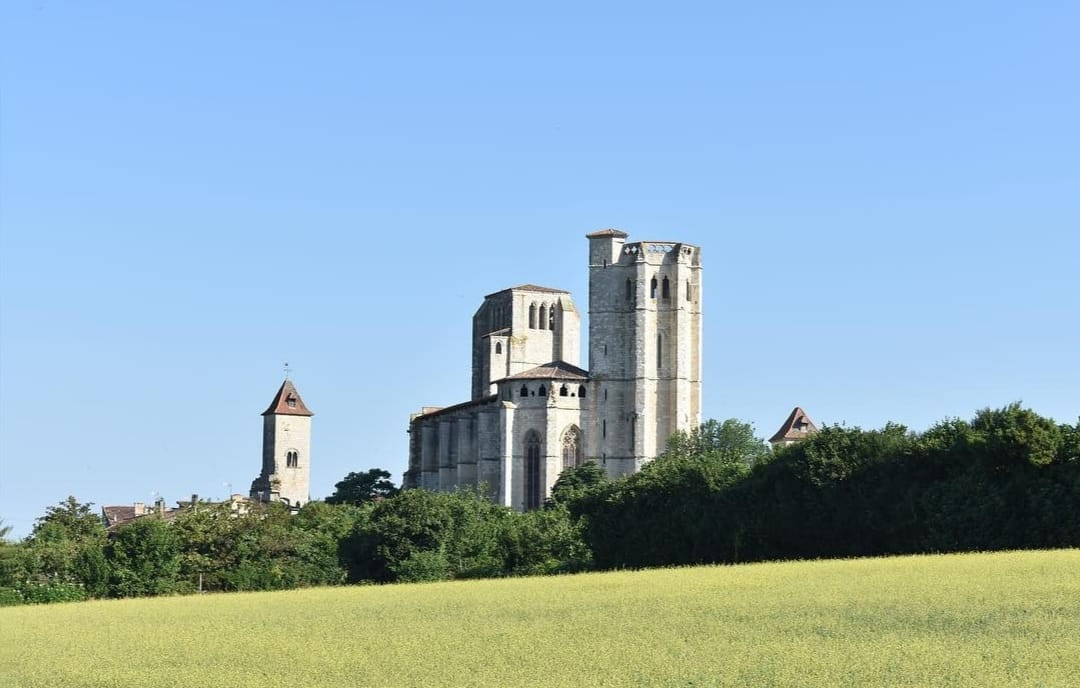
(643,383)
(285,435)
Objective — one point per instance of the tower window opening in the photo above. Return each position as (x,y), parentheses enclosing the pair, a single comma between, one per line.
(659,351)
(581,391)
(543,317)
(498,347)
(652,289)
(532,316)
(551,319)
(290,401)
(688,297)
(564,391)
(603,428)
(542,391)
(629,289)
(292,459)
(524,390)
(665,291)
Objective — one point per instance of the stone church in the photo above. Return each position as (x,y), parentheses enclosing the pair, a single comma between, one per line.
(535,411)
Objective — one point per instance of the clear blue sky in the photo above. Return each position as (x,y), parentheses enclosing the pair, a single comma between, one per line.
(192,194)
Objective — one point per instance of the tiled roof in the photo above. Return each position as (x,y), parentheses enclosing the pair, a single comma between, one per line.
(280,405)
(556,370)
(456,407)
(529,287)
(116,516)
(798,426)
(607,233)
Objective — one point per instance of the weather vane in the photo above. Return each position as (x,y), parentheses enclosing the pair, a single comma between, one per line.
(287,370)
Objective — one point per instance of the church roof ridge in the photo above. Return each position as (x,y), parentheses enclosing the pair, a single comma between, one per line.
(555,370)
(287,402)
(788,431)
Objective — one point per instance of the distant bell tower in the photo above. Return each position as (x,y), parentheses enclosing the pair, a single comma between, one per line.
(286,456)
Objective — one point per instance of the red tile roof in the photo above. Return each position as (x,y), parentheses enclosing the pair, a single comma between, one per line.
(280,405)
(798,426)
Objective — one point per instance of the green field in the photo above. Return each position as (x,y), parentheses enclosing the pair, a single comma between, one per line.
(1007,619)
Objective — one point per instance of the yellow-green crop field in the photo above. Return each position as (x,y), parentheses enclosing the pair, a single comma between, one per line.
(1005,619)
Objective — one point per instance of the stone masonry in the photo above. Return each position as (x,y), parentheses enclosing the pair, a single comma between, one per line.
(534,412)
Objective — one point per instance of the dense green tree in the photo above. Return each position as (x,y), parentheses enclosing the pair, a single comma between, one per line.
(731,441)
(66,546)
(361,488)
(144,558)
(1014,435)
(573,483)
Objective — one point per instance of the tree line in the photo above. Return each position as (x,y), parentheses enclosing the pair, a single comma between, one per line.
(1006,479)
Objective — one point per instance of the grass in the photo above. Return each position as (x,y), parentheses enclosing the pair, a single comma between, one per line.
(1003,619)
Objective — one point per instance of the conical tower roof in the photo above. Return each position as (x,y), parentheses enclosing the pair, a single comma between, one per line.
(287,402)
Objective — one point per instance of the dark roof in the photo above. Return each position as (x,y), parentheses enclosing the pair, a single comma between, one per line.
(455,407)
(556,370)
(789,430)
(607,233)
(116,516)
(280,405)
(529,287)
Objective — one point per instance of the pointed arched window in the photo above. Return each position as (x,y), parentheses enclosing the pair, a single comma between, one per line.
(524,390)
(532,316)
(552,320)
(543,316)
(665,291)
(564,391)
(571,448)
(532,470)
(542,391)
(652,289)
(498,347)
(292,459)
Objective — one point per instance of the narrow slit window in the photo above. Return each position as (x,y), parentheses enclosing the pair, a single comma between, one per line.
(665,290)
(543,317)
(652,288)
